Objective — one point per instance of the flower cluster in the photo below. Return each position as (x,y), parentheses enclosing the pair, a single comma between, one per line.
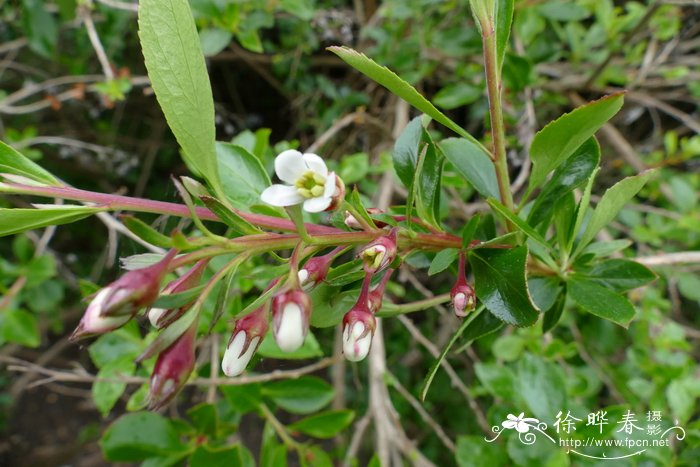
(287,307)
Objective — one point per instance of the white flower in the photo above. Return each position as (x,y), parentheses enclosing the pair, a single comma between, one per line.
(519,423)
(308,181)
(235,359)
(291,330)
(357,340)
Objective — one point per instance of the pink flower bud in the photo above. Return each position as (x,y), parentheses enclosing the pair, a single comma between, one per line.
(135,289)
(172,369)
(376,293)
(462,294)
(358,329)
(290,319)
(245,340)
(316,269)
(160,316)
(380,253)
(352,223)
(93,324)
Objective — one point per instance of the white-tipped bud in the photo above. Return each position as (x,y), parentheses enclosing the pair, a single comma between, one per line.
(154,314)
(291,330)
(357,339)
(237,355)
(303,277)
(93,322)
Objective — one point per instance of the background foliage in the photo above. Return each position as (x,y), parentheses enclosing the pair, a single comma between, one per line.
(96,125)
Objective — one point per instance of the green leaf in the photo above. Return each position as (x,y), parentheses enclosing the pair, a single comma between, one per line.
(582,208)
(443,259)
(178,74)
(405,155)
(20,327)
(429,181)
(457,95)
(553,314)
(40,27)
(482,324)
(497,379)
(559,139)
(145,232)
(473,164)
(16,163)
(302,9)
(304,395)
(473,451)
(206,456)
(177,300)
(242,175)
(324,425)
(13,221)
(214,40)
(619,275)
(600,301)
(140,435)
(330,305)
(504,20)
(521,224)
(570,175)
(544,291)
(310,349)
(107,393)
(610,204)
(205,418)
(541,386)
(499,282)
(230,217)
(399,87)
(469,230)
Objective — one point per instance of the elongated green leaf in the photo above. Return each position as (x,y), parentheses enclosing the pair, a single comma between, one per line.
(504,20)
(398,86)
(521,224)
(619,274)
(559,139)
(16,163)
(14,221)
(405,155)
(499,282)
(178,74)
(570,175)
(443,259)
(582,209)
(325,424)
(230,217)
(473,164)
(304,395)
(600,301)
(177,300)
(438,361)
(429,182)
(469,230)
(610,204)
(145,232)
(553,314)
(242,175)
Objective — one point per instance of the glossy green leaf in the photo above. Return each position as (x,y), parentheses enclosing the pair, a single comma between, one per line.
(600,301)
(330,305)
(107,393)
(559,139)
(469,230)
(20,327)
(610,204)
(398,86)
(145,232)
(140,435)
(16,163)
(179,78)
(13,221)
(429,182)
(499,282)
(324,425)
(519,223)
(405,155)
(544,291)
(541,386)
(619,274)
(304,395)
(443,260)
(230,217)
(504,20)
(242,175)
(571,174)
(473,164)
(582,209)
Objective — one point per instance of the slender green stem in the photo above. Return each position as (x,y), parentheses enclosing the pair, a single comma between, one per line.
(297,216)
(494,85)
(280,429)
(391,309)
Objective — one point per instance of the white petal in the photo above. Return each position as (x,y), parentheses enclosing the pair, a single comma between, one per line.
(290,334)
(509,424)
(233,363)
(315,163)
(281,195)
(522,427)
(317,204)
(94,323)
(290,165)
(329,189)
(154,315)
(303,275)
(355,347)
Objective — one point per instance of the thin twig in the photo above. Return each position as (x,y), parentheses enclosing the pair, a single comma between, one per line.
(86,16)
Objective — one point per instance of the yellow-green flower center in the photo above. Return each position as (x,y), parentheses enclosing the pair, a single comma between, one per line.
(310,184)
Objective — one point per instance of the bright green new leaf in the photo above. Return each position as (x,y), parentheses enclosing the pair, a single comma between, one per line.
(140,435)
(559,139)
(325,424)
(242,175)
(145,232)
(398,86)
(600,301)
(443,259)
(405,155)
(473,164)
(14,221)
(175,64)
(16,163)
(610,204)
(499,280)
(504,20)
